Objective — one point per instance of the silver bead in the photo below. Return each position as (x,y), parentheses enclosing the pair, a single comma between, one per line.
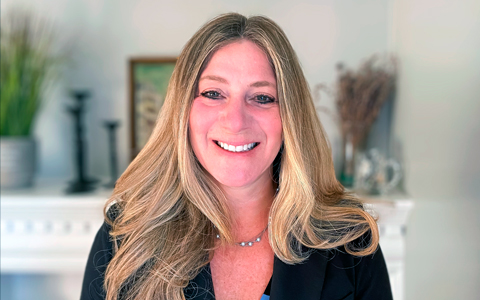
(242,244)
(218,236)
(250,244)
(258,240)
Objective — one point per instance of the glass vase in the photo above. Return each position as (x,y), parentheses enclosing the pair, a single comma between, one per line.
(347,174)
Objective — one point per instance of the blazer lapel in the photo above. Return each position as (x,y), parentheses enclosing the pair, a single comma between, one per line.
(201,287)
(300,281)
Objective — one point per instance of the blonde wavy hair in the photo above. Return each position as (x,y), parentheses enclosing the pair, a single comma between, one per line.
(167,205)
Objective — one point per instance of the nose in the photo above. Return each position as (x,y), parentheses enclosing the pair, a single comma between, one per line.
(234,116)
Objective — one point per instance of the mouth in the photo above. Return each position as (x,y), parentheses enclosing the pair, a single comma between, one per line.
(241,148)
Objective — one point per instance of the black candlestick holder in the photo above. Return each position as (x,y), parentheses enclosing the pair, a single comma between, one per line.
(111,127)
(82,183)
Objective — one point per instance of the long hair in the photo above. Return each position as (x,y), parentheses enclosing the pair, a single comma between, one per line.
(168,206)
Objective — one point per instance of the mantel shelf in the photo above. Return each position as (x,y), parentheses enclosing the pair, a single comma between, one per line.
(46,231)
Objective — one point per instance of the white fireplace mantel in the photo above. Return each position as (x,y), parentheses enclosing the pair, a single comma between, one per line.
(44,231)
(48,233)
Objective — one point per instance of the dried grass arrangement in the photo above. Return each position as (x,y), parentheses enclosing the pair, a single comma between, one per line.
(360,95)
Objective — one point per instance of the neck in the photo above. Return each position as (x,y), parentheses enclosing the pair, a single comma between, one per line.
(250,207)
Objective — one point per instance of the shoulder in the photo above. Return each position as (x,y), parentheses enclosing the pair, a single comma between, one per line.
(332,274)
(348,276)
(101,254)
(366,277)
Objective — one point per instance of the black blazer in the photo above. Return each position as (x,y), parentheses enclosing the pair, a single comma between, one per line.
(325,275)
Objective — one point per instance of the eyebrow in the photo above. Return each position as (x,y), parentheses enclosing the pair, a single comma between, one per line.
(262,83)
(223,80)
(214,78)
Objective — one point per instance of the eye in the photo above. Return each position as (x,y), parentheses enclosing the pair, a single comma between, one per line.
(211,94)
(264,99)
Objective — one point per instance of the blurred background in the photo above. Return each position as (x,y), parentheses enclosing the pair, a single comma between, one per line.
(435,123)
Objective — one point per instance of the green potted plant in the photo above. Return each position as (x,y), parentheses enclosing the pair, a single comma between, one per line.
(27,68)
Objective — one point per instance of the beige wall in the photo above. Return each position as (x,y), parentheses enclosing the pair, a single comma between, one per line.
(438,124)
(104,34)
(438,104)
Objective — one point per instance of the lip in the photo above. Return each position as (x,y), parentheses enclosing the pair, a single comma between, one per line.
(236,143)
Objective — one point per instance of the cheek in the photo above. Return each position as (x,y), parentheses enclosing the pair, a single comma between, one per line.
(278,128)
(274,129)
(199,124)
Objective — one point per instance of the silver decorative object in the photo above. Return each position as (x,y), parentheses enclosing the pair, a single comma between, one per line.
(375,174)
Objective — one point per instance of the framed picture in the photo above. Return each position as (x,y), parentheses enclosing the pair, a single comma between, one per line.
(149,79)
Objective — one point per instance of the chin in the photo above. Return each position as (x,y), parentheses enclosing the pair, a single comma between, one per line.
(235,182)
(240,180)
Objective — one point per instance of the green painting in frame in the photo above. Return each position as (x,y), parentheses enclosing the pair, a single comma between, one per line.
(149,79)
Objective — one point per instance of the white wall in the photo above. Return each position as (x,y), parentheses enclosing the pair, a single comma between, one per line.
(437,120)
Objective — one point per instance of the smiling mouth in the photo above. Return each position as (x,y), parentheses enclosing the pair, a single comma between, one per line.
(231,148)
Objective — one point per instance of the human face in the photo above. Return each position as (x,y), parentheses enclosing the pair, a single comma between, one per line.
(236,107)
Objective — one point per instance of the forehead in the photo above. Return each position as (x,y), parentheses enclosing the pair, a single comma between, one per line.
(242,57)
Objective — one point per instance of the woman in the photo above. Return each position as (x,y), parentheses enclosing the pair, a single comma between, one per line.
(234,196)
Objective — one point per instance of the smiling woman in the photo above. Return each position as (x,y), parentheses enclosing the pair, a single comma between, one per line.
(235,110)
(234,195)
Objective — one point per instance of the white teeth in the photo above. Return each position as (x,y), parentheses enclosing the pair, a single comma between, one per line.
(232,148)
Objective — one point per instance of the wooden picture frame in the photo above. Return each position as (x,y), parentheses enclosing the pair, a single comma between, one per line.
(148,78)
